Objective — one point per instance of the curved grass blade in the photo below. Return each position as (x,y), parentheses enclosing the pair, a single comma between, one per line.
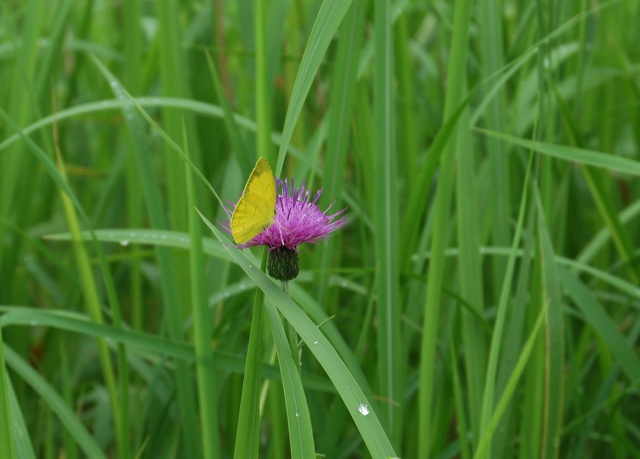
(329,18)
(354,398)
(578,155)
(55,402)
(21,440)
(147,345)
(485,440)
(6,407)
(157,216)
(602,323)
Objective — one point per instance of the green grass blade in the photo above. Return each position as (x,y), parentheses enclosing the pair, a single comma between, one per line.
(415,207)
(471,275)
(133,75)
(263,105)
(390,367)
(408,141)
(146,345)
(245,158)
(248,429)
(485,440)
(216,250)
(326,23)
(554,343)
(55,403)
(352,395)
(21,440)
(601,239)
(298,418)
(602,323)
(71,204)
(45,161)
(202,320)
(602,195)
(19,100)
(496,347)
(454,96)
(199,108)
(6,434)
(94,308)
(573,154)
(341,110)
(158,220)
(341,103)
(499,200)
(174,82)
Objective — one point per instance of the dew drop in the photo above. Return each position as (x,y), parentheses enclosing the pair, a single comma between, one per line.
(315,341)
(124,243)
(297,414)
(363,408)
(33,323)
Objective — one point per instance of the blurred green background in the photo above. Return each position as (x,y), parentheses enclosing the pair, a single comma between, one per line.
(482,302)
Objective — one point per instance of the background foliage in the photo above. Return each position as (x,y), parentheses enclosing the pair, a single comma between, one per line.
(482,302)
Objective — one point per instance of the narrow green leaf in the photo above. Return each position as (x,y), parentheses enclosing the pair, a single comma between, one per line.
(390,366)
(602,323)
(435,279)
(6,435)
(248,429)
(485,440)
(602,196)
(298,417)
(158,220)
(202,320)
(146,345)
(578,155)
(21,439)
(94,308)
(263,101)
(54,402)
(326,23)
(496,346)
(352,395)
(245,159)
(471,272)
(554,344)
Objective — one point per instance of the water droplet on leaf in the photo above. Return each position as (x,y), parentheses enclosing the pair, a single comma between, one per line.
(363,408)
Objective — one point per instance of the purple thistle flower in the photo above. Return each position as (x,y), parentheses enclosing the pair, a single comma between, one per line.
(298,220)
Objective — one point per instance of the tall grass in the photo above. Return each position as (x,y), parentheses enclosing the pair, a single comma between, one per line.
(482,301)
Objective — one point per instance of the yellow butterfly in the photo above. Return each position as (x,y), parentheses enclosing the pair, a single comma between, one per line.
(256,208)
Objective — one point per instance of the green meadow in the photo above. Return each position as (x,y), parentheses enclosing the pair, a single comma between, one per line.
(482,300)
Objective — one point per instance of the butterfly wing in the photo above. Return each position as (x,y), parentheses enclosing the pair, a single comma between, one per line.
(256,208)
